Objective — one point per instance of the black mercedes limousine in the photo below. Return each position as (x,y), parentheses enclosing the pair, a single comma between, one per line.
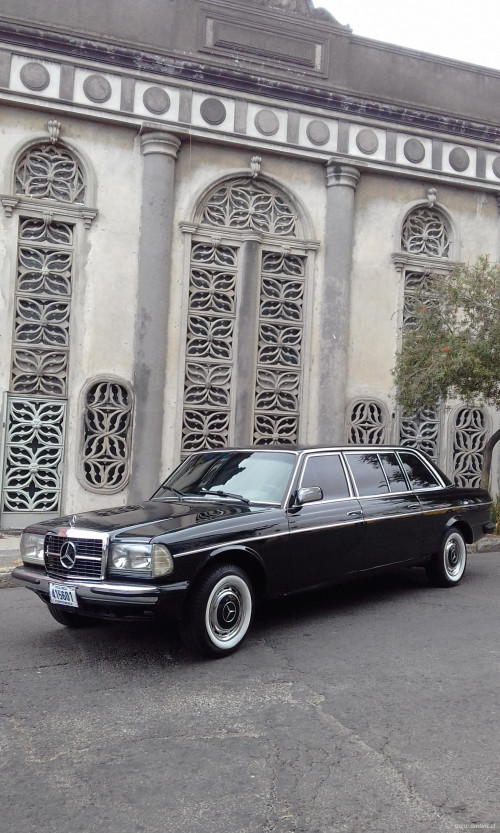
(231,526)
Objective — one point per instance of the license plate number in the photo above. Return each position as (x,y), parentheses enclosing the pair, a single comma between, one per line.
(62,595)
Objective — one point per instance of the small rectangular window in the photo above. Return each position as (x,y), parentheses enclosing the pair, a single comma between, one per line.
(368,474)
(394,473)
(326,471)
(419,475)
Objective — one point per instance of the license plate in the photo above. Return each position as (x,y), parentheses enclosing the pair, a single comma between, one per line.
(62,595)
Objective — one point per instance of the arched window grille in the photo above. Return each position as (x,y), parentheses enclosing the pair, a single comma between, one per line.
(50,171)
(425,241)
(469,438)
(49,194)
(367,423)
(228,289)
(107,424)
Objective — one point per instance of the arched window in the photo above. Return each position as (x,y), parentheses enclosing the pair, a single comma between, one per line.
(468,441)
(244,345)
(49,192)
(107,422)
(426,242)
(50,171)
(367,423)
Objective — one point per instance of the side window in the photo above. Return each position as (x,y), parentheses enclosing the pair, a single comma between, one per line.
(327,471)
(419,475)
(394,473)
(368,474)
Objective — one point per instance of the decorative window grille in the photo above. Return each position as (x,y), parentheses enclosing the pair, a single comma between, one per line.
(50,172)
(425,233)
(422,431)
(469,438)
(43,301)
(106,436)
(418,291)
(244,206)
(209,346)
(33,455)
(50,187)
(279,360)
(367,423)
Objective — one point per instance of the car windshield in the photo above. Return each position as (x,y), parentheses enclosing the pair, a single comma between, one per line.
(255,476)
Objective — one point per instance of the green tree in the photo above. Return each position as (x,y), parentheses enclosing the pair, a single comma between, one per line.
(451,350)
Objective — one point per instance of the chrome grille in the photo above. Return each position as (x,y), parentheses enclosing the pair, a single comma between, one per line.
(89,552)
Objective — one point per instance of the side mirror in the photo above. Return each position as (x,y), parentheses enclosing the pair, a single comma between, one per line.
(309,494)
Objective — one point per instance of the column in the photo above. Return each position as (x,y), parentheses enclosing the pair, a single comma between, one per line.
(334,313)
(159,150)
(245,347)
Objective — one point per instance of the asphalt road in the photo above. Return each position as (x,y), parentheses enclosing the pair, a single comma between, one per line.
(371,707)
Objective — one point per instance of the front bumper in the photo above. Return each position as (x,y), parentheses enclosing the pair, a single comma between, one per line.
(109,599)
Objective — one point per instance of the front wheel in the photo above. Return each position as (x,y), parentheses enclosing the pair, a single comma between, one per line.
(219,612)
(447,566)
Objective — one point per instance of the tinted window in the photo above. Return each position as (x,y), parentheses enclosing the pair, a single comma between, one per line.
(419,475)
(368,474)
(326,470)
(394,473)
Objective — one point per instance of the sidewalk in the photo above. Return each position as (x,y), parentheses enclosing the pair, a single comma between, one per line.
(9,556)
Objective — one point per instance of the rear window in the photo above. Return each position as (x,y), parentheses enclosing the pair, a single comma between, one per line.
(419,475)
(368,474)
(393,472)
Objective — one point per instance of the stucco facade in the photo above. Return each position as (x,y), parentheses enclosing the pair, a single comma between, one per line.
(215,216)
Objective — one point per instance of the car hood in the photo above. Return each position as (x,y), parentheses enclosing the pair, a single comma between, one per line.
(151,518)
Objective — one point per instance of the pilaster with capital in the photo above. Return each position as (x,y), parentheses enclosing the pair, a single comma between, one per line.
(159,150)
(341,181)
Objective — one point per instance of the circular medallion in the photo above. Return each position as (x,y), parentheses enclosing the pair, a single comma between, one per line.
(213,110)
(318,132)
(459,159)
(156,100)
(496,166)
(414,150)
(35,76)
(267,122)
(97,88)
(367,141)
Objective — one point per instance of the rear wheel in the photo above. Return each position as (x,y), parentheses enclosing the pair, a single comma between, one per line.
(219,612)
(69,620)
(447,566)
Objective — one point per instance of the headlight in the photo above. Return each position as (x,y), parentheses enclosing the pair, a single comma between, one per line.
(31,547)
(142,559)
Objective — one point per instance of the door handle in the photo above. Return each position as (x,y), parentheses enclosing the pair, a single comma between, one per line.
(356,514)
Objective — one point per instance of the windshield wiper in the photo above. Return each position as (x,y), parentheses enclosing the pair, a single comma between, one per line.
(220,493)
(176,492)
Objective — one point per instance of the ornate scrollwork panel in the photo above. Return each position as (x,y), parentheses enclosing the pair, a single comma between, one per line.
(469,438)
(425,233)
(33,455)
(367,423)
(50,172)
(107,436)
(417,293)
(277,395)
(247,204)
(43,305)
(209,346)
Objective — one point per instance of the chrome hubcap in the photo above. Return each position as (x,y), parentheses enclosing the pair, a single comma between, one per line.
(229,611)
(454,556)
